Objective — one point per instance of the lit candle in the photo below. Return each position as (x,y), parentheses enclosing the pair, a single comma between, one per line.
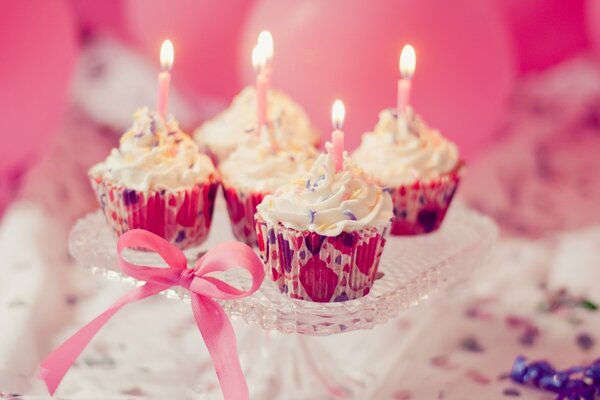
(408,60)
(338,113)
(164,77)
(262,55)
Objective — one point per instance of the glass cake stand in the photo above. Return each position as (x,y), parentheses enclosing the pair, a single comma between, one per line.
(411,269)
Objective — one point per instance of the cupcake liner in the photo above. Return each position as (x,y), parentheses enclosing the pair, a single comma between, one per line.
(182,217)
(421,207)
(241,207)
(314,267)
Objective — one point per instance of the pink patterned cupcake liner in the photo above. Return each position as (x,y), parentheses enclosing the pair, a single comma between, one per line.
(241,207)
(314,267)
(421,207)
(182,217)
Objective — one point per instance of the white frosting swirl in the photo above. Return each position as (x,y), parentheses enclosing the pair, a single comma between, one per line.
(328,202)
(155,155)
(260,169)
(394,158)
(232,127)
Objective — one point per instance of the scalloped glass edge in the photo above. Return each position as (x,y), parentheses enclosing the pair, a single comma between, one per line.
(94,247)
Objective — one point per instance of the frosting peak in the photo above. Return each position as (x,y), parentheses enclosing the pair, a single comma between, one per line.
(260,168)
(328,202)
(236,125)
(394,157)
(154,155)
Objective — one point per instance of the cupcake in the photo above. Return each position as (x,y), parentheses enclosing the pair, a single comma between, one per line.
(231,128)
(253,171)
(416,164)
(321,237)
(157,180)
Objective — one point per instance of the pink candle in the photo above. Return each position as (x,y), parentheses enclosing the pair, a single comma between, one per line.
(262,85)
(404,85)
(164,77)
(407,63)
(259,59)
(337,146)
(337,136)
(164,81)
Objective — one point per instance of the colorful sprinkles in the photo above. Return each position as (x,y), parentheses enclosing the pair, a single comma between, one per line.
(350,215)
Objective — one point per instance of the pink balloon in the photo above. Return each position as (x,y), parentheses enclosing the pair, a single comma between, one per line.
(545,31)
(204,34)
(106,16)
(593,23)
(350,49)
(38,47)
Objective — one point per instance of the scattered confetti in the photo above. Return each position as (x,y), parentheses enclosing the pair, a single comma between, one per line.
(529,337)
(511,392)
(471,344)
(478,377)
(477,313)
(440,361)
(585,341)
(573,383)
(588,305)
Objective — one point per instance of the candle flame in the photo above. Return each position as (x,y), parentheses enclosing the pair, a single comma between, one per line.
(408,61)
(259,58)
(338,112)
(266,40)
(167,53)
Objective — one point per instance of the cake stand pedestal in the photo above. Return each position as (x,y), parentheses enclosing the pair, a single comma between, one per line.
(285,359)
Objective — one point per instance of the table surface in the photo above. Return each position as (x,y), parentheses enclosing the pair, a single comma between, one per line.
(458,345)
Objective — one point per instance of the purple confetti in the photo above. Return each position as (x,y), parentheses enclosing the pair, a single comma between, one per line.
(511,392)
(529,336)
(471,344)
(581,383)
(585,341)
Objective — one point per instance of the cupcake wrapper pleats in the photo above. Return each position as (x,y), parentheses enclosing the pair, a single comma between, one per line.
(241,208)
(420,208)
(182,217)
(310,266)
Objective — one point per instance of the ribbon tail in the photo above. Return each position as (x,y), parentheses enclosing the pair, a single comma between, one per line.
(55,366)
(219,336)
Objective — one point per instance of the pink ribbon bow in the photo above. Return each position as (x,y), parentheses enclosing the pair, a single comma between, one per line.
(211,320)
